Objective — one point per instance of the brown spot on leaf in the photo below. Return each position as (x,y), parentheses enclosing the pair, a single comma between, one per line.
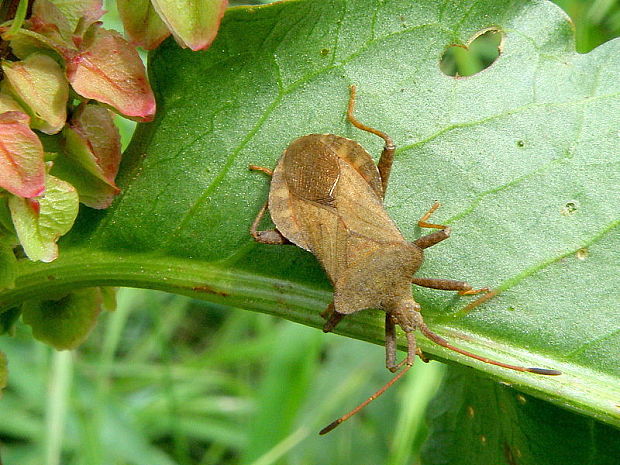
(209,290)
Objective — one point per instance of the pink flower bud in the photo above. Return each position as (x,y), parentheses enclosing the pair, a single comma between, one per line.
(40,84)
(69,16)
(109,70)
(142,24)
(93,141)
(22,170)
(193,23)
(41,222)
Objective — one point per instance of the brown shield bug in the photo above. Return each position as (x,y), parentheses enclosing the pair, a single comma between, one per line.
(326,197)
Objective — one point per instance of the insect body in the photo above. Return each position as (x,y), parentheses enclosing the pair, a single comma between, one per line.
(326,197)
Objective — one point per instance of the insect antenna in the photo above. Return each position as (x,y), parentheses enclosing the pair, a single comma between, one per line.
(442,342)
(346,416)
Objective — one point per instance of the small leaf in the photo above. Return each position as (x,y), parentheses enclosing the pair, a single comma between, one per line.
(39,227)
(193,23)
(46,16)
(93,140)
(93,192)
(110,70)
(22,170)
(68,15)
(142,24)
(8,103)
(7,230)
(25,42)
(66,321)
(40,84)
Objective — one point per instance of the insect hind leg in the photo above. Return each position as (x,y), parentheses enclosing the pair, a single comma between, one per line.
(332,317)
(387,155)
(391,347)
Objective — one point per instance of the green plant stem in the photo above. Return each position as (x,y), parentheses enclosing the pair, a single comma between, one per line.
(20,16)
(78,268)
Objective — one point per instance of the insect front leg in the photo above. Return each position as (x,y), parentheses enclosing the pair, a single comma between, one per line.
(387,156)
(391,347)
(269,236)
(329,310)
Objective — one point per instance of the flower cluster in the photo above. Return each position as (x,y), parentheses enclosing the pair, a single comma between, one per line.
(63,75)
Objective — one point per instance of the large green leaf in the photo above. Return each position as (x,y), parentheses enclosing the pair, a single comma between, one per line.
(478,421)
(524,157)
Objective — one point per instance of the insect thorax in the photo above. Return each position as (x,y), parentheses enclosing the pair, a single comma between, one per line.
(378,279)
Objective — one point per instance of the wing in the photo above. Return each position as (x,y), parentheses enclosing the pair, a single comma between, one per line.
(308,171)
(358,158)
(322,200)
(361,209)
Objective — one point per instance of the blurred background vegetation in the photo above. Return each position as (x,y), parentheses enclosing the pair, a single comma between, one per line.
(167,380)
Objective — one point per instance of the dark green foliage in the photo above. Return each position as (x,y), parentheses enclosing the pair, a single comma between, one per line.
(478,421)
(522,155)
(65,321)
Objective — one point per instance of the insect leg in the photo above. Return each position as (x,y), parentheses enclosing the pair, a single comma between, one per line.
(262,169)
(412,348)
(327,313)
(332,317)
(479,301)
(422,221)
(433,238)
(385,165)
(422,356)
(270,236)
(462,287)
(391,347)
(387,156)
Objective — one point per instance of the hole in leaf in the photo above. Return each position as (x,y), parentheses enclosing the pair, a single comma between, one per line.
(569,208)
(520,144)
(582,254)
(471,58)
